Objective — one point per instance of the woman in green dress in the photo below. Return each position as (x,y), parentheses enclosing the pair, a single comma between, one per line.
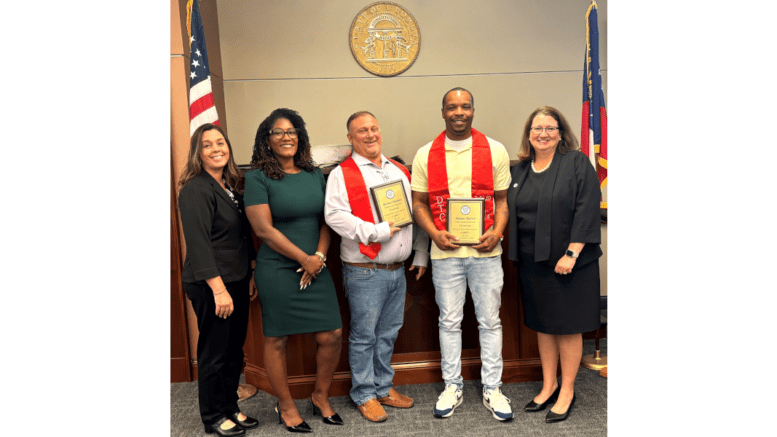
(284,198)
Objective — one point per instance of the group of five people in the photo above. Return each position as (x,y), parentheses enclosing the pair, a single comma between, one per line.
(550,201)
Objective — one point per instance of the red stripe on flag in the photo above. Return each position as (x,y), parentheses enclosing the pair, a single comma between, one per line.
(584,130)
(200,105)
(602,171)
(603,124)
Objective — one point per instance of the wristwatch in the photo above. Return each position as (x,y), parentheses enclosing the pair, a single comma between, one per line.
(572,253)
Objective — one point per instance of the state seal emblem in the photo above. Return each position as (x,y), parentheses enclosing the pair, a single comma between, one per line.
(384,39)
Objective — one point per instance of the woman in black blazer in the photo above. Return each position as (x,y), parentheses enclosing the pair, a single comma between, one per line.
(555,233)
(217,275)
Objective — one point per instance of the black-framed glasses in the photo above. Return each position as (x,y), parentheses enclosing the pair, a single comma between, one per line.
(549,130)
(279,133)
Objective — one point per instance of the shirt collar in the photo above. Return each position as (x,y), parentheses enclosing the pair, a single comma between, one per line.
(361,160)
(462,144)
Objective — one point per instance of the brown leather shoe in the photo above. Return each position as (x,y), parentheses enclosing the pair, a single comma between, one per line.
(396,399)
(372,411)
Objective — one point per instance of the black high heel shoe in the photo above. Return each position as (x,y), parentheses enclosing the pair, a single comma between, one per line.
(555,417)
(532,406)
(235,431)
(302,427)
(249,423)
(331,420)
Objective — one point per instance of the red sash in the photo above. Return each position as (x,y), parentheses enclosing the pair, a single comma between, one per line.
(482,178)
(360,200)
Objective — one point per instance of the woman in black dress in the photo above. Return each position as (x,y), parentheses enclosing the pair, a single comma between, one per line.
(555,233)
(217,275)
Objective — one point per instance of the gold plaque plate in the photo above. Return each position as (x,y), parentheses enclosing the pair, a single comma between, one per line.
(385,39)
(392,203)
(465,219)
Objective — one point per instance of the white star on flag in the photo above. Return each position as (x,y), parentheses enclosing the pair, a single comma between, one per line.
(202,107)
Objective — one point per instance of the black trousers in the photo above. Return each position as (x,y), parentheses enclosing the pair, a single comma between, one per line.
(219,348)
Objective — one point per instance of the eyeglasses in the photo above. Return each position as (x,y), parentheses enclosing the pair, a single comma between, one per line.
(549,130)
(279,133)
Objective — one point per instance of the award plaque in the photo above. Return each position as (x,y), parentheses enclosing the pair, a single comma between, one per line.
(465,218)
(392,203)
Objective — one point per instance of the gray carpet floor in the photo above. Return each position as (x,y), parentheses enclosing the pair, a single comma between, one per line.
(587,418)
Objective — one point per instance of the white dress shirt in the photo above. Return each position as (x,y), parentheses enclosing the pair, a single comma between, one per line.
(353,230)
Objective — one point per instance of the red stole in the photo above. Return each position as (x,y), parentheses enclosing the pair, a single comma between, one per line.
(360,200)
(482,178)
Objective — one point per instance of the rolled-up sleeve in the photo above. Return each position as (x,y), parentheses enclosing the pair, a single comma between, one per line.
(339,217)
(420,246)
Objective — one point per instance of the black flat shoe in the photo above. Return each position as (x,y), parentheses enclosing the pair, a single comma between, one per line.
(249,423)
(302,427)
(331,420)
(235,431)
(554,417)
(532,406)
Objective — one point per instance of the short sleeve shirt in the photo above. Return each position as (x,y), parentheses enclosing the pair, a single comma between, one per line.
(459,167)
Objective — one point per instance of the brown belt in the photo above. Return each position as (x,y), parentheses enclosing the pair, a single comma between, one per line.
(388,267)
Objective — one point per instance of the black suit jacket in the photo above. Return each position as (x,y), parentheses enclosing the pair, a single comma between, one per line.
(217,235)
(567,211)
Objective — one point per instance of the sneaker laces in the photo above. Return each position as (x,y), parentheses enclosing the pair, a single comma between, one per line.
(498,400)
(449,394)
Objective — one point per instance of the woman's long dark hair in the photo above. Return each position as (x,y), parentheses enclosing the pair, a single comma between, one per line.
(264,159)
(194,162)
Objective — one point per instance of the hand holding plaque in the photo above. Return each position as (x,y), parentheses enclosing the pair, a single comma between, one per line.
(392,203)
(465,218)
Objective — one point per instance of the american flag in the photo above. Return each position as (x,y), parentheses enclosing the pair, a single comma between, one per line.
(593,137)
(201,106)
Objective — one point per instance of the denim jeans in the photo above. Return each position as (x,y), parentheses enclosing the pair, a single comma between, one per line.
(377,301)
(485,278)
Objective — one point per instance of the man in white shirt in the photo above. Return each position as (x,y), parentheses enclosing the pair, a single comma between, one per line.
(373,255)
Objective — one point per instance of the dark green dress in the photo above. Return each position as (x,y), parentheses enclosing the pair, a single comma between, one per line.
(297,206)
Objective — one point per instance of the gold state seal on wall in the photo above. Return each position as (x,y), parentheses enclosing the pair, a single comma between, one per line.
(385,39)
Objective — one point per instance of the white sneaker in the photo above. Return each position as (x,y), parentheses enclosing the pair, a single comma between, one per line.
(449,399)
(498,404)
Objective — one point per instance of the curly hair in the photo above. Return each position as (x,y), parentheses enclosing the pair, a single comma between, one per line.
(263,157)
(193,167)
(567,142)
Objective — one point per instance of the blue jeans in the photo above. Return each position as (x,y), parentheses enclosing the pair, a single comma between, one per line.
(377,301)
(485,278)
